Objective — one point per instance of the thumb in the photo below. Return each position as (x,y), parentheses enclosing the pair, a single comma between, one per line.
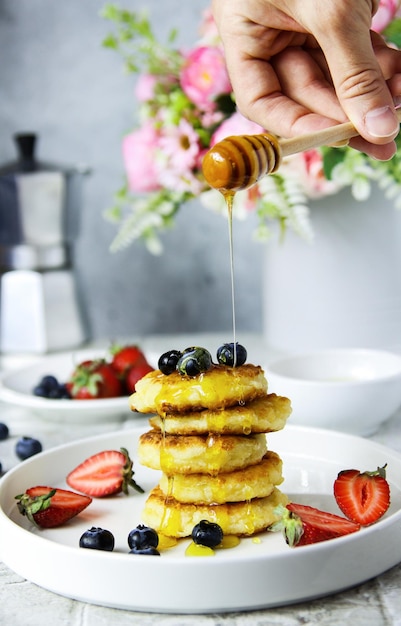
(361,87)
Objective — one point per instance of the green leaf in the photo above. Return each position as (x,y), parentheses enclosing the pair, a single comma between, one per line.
(393,32)
(331,158)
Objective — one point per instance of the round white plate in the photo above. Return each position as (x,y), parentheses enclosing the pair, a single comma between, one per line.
(16,388)
(252,575)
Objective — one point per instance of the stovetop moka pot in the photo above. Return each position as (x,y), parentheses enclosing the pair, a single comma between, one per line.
(40,205)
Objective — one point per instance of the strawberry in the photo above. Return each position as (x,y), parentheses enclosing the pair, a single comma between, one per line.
(363,497)
(302,525)
(48,507)
(124,358)
(94,379)
(135,373)
(104,474)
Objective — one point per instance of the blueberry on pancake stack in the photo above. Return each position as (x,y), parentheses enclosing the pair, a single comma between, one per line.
(208,438)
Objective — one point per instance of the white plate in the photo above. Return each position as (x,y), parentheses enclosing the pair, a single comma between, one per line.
(16,387)
(250,576)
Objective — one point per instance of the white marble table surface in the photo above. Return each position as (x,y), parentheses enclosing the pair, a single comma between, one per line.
(375,603)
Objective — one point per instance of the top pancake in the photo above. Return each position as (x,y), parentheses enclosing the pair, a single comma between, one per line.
(218,388)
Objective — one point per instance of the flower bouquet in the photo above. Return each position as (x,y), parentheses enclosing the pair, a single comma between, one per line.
(185,106)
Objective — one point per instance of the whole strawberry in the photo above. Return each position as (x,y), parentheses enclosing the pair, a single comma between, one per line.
(49,507)
(104,474)
(135,373)
(126,357)
(363,497)
(94,379)
(130,364)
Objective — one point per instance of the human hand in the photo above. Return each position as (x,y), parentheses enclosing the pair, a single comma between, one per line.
(300,65)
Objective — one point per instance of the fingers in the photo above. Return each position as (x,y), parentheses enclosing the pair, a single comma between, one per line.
(275,95)
(297,67)
(360,83)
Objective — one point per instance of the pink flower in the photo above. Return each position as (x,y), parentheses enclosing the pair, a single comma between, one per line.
(204,76)
(309,168)
(237,124)
(385,14)
(145,87)
(139,153)
(181,146)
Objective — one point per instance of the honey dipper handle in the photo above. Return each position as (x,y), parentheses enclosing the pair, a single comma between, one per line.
(324,137)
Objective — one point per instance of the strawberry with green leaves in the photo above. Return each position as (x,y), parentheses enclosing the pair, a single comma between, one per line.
(104,474)
(363,497)
(50,507)
(302,525)
(94,379)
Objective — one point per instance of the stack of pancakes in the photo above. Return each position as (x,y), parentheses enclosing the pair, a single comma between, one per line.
(208,438)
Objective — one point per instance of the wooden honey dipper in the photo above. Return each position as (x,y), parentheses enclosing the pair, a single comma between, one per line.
(240,161)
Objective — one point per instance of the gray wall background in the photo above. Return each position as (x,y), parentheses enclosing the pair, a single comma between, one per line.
(56,79)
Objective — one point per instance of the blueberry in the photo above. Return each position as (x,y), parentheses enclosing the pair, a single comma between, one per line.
(143,537)
(148,550)
(46,385)
(225,354)
(26,447)
(194,361)
(50,387)
(207,534)
(97,539)
(4,432)
(64,394)
(168,361)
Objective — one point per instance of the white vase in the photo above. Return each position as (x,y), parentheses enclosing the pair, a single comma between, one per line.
(344,288)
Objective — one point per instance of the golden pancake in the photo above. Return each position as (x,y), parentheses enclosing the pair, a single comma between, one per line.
(174,519)
(220,387)
(263,415)
(209,454)
(255,481)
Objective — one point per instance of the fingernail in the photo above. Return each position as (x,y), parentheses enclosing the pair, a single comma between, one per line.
(381,122)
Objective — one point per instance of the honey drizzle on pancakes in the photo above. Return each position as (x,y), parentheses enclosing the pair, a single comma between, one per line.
(214,449)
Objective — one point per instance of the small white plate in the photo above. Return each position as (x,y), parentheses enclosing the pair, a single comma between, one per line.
(16,388)
(253,575)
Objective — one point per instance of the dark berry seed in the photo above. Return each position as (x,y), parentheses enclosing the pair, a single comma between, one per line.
(26,447)
(97,539)
(207,534)
(168,361)
(143,537)
(149,550)
(225,354)
(4,432)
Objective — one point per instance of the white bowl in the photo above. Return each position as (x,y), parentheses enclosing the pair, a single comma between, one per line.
(353,391)
(16,388)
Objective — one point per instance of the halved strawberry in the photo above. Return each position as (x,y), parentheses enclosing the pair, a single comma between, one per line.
(49,507)
(104,474)
(302,524)
(363,497)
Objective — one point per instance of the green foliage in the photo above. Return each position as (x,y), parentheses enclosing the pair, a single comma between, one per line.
(135,41)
